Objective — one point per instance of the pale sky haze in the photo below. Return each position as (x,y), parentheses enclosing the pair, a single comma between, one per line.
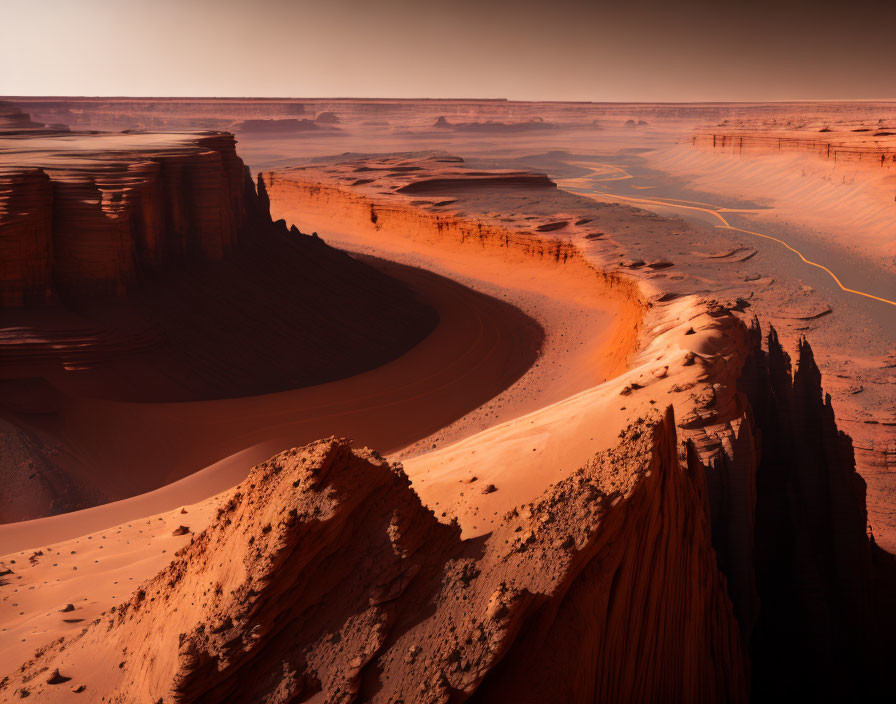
(640,50)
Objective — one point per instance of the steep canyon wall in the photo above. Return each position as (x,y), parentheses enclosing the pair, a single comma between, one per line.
(785,504)
(98,224)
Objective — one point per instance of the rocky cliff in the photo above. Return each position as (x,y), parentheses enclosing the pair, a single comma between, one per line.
(786,506)
(146,267)
(324,576)
(811,590)
(652,573)
(96,214)
(849,147)
(817,586)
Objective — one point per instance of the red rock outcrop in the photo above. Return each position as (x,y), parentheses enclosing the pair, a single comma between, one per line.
(789,527)
(641,576)
(324,576)
(111,209)
(219,299)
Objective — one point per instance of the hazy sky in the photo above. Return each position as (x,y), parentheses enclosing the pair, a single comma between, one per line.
(651,50)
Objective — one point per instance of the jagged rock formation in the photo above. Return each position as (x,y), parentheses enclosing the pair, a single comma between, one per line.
(789,528)
(813,566)
(641,576)
(324,576)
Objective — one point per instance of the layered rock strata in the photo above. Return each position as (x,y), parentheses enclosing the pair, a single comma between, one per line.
(146,267)
(96,214)
(26,245)
(871,148)
(789,526)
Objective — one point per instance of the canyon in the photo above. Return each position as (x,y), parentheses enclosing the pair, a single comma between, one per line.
(754,436)
(138,268)
(603,476)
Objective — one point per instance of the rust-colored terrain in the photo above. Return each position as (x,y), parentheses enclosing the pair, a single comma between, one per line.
(146,268)
(610,469)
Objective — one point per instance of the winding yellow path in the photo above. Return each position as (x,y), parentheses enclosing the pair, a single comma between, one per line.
(715,212)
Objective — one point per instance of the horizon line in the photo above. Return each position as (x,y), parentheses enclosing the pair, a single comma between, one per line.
(451,99)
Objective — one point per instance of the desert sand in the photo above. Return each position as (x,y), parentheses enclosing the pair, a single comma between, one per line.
(612,478)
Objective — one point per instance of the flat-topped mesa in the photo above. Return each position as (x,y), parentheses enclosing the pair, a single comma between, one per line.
(432,174)
(14,120)
(94,214)
(451,181)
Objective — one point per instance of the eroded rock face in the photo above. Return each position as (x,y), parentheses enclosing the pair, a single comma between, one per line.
(324,575)
(811,591)
(220,301)
(841,148)
(813,556)
(96,214)
(789,527)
